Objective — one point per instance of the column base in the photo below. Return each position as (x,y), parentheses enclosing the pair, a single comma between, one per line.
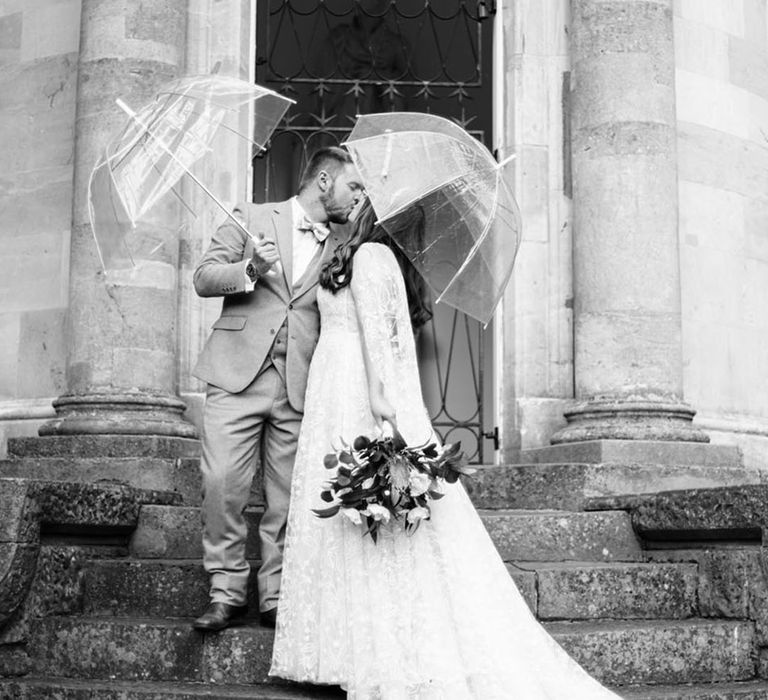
(630,420)
(639,455)
(119,414)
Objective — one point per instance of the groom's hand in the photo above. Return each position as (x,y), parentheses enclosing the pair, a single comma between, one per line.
(265,253)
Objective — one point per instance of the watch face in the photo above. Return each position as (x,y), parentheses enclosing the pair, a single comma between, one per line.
(250,270)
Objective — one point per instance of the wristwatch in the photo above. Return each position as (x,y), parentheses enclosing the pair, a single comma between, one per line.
(250,270)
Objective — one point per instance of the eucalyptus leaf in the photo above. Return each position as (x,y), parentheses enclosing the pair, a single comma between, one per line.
(451,449)
(326,512)
(361,442)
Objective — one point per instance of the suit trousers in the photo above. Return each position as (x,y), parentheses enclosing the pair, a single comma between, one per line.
(236,426)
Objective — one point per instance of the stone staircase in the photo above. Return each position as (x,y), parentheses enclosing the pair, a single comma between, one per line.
(679,614)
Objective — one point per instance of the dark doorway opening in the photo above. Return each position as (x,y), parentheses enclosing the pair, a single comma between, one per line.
(340,58)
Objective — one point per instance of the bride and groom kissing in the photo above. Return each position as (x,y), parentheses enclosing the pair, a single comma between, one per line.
(315,343)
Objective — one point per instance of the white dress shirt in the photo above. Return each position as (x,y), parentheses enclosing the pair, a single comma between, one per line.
(305,245)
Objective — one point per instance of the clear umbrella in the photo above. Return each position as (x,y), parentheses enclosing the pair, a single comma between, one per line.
(140,182)
(412,162)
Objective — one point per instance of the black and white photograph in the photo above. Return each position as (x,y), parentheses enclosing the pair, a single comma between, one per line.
(384,349)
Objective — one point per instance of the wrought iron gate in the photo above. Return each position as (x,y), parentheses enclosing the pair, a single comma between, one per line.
(340,58)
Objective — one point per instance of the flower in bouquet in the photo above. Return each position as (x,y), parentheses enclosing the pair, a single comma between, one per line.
(383,480)
(377,512)
(419,483)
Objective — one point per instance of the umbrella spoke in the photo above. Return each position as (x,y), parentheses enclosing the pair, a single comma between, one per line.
(471,224)
(178,196)
(135,190)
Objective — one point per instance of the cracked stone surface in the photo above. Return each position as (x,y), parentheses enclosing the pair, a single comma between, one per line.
(63,507)
(716,509)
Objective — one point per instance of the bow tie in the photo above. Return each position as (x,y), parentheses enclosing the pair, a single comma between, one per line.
(320,231)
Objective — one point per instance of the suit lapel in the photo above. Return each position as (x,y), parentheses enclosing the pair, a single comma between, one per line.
(282,219)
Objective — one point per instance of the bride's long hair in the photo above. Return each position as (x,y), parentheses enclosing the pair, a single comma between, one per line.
(337,272)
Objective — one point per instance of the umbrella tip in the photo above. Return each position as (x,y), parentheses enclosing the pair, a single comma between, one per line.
(125,107)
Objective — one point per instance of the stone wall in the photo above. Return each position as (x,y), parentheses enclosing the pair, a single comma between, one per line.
(722,109)
(218,33)
(722,104)
(39,47)
(536,336)
(38,69)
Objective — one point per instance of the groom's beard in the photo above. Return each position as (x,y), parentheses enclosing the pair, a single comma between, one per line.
(336,214)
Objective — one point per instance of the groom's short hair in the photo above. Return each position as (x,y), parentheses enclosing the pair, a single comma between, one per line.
(330,159)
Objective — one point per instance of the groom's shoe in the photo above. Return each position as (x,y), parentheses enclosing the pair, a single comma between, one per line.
(217,616)
(268,618)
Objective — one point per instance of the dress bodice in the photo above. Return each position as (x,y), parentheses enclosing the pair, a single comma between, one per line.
(337,311)
(374,300)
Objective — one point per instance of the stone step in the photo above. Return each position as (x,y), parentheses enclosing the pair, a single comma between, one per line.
(565,591)
(728,513)
(618,653)
(615,590)
(89,446)
(174,533)
(178,475)
(152,588)
(636,452)
(178,588)
(749,690)
(149,649)
(69,689)
(660,651)
(731,581)
(160,463)
(570,486)
(553,536)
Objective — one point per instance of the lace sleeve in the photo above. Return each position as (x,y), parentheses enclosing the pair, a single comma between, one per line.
(379,293)
(380,299)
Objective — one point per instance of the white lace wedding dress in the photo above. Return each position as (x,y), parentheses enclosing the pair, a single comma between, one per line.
(434,616)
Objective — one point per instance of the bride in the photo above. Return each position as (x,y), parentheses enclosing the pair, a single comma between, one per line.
(432,616)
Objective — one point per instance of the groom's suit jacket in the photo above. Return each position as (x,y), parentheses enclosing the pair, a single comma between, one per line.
(242,337)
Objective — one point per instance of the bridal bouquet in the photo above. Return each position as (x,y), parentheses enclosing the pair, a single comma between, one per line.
(380,480)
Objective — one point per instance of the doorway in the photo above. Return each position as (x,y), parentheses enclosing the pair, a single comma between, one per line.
(340,58)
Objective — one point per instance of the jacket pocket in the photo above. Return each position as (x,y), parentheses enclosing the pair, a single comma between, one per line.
(230,323)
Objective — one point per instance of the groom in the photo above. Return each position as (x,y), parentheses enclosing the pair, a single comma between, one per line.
(255,363)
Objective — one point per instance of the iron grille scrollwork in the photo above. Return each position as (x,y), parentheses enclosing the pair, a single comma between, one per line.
(340,58)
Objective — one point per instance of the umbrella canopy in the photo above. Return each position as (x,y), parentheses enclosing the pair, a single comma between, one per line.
(139,180)
(411,161)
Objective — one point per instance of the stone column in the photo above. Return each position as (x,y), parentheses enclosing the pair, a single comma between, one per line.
(121,355)
(627,316)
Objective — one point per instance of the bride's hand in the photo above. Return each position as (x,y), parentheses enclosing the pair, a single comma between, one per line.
(381,409)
